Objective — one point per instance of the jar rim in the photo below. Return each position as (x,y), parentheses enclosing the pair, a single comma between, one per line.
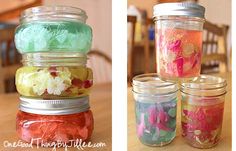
(51,13)
(141,80)
(54,106)
(175,17)
(205,86)
(205,82)
(152,84)
(54,59)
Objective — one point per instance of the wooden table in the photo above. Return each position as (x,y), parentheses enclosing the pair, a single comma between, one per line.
(100,101)
(13,8)
(178,143)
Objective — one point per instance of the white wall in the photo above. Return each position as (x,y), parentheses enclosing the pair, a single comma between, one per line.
(218,11)
(99,18)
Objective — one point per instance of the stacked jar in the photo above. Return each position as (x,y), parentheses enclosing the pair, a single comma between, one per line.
(202,109)
(179,28)
(54,82)
(155,109)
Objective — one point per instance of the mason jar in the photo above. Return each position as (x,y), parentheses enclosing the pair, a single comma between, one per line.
(178,28)
(54,75)
(155,109)
(53,29)
(202,110)
(50,121)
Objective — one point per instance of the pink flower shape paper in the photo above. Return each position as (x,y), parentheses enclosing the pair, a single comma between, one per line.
(152,118)
(175,46)
(141,126)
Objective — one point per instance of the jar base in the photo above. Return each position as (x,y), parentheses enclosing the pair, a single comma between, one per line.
(157,145)
(178,79)
(207,146)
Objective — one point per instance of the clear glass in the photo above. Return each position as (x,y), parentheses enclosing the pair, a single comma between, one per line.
(53,28)
(53,128)
(54,75)
(155,109)
(202,110)
(178,47)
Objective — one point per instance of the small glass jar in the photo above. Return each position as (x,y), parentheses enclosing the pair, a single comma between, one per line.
(54,75)
(53,29)
(179,29)
(202,110)
(155,109)
(48,121)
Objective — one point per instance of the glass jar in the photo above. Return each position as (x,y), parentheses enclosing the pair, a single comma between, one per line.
(178,40)
(48,121)
(155,109)
(202,110)
(54,75)
(53,28)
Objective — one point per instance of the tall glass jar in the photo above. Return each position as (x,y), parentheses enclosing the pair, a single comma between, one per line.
(53,29)
(178,39)
(54,75)
(51,121)
(202,110)
(155,109)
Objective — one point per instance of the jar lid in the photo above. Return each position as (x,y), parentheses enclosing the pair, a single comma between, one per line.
(189,9)
(54,107)
(151,84)
(205,85)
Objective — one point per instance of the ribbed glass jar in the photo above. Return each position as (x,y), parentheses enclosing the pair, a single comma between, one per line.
(51,121)
(202,110)
(155,109)
(53,29)
(54,75)
(179,29)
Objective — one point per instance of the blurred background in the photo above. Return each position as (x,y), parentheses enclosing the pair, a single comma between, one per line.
(99,18)
(217,46)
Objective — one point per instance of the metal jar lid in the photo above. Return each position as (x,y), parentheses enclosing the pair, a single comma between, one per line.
(54,107)
(189,9)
